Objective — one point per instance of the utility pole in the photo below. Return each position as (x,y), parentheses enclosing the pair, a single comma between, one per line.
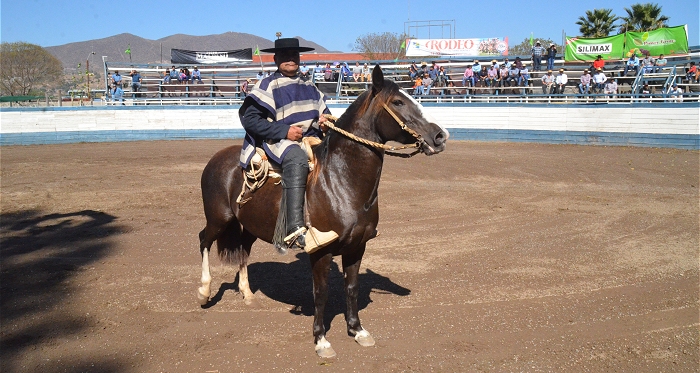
(87,72)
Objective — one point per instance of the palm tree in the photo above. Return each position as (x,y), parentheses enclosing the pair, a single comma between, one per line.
(597,24)
(643,17)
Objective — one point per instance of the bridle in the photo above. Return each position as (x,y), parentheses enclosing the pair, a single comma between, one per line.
(389,150)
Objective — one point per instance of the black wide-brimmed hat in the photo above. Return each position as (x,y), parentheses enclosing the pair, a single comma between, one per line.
(287,44)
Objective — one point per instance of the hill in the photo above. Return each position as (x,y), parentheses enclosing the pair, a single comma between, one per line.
(155,51)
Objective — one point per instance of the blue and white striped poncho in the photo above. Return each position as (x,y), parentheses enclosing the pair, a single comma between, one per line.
(287,101)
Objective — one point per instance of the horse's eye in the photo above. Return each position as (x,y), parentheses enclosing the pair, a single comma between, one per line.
(397,102)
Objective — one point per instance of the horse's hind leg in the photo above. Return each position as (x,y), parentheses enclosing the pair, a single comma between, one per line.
(206,239)
(351,269)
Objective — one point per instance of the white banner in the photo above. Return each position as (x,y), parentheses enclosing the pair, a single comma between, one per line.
(457,47)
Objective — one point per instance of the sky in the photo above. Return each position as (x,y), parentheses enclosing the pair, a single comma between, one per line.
(333,25)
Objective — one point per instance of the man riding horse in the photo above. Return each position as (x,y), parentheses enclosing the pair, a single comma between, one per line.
(282,109)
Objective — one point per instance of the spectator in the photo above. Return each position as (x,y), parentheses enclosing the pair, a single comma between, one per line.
(173,75)
(427,84)
(537,52)
(117,79)
(548,83)
(135,82)
(442,77)
(196,75)
(551,55)
(418,86)
(647,63)
(476,68)
(245,86)
(495,63)
(166,76)
(259,76)
(646,92)
(413,70)
(518,63)
(676,93)
(468,77)
(182,78)
(357,72)
(318,69)
(483,76)
(502,76)
(599,80)
(118,94)
(345,72)
(524,78)
(433,73)
(692,72)
(632,64)
(328,73)
(366,73)
(599,63)
(611,86)
(506,63)
(560,82)
(304,70)
(492,77)
(513,76)
(660,63)
(585,84)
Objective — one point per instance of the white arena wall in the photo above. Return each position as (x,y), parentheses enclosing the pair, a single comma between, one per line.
(675,125)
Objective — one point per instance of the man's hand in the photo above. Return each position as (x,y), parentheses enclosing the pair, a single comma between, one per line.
(322,123)
(294,133)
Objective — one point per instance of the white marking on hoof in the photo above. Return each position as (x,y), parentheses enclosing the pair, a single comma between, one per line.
(364,339)
(201,297)
(324,349)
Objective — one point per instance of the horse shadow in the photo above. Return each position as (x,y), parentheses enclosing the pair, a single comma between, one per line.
(292,284)
(40,254)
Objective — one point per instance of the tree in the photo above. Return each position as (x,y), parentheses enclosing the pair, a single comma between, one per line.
(643,17)
(27,68)
(525,49)
(597,24)
(384,46)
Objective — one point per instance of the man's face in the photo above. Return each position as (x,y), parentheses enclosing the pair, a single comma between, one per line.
(287,62)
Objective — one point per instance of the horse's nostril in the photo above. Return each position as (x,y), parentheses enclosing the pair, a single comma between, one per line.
(439,138)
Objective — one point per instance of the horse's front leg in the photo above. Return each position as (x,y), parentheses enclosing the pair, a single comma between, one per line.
(204,291)
(320,266)
(351,269)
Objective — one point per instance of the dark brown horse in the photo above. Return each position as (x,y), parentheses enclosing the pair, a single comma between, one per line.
(341,196)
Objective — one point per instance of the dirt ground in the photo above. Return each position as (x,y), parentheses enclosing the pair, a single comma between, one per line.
(493,257)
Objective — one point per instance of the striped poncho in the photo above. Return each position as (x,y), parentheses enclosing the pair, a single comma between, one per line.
(285,102)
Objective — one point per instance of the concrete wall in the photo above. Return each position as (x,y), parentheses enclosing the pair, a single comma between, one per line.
(648,124)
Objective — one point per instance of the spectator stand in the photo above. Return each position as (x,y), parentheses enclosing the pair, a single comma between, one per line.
(223,84)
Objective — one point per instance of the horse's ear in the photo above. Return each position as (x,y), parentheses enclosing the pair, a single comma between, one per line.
(377,79)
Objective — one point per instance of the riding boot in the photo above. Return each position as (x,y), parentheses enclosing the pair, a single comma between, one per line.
(294,181)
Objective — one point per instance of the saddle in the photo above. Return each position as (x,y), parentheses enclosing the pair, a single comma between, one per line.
(260,169)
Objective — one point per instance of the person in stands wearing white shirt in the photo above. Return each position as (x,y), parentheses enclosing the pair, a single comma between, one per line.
(676,93)
(599,80)
(560,82)
(611,86)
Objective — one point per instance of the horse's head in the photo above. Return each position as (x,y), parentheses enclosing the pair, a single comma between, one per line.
(400,118)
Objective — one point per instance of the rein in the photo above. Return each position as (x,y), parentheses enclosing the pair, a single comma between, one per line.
(389,150)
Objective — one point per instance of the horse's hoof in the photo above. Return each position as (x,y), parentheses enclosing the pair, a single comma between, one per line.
(324,349)
(364,339)
(203,299)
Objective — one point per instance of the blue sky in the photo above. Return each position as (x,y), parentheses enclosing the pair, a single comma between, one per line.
(334,25)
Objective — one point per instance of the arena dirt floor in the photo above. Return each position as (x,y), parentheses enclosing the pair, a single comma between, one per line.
(493,257)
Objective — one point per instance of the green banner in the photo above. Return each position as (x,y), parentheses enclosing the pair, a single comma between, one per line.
(667,41)
(588,49)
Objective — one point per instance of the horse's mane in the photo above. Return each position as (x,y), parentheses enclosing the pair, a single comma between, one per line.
(357,109)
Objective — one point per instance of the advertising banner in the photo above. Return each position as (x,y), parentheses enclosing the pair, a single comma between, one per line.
(457,47)
(667,41)
(587,49)
(181,56)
